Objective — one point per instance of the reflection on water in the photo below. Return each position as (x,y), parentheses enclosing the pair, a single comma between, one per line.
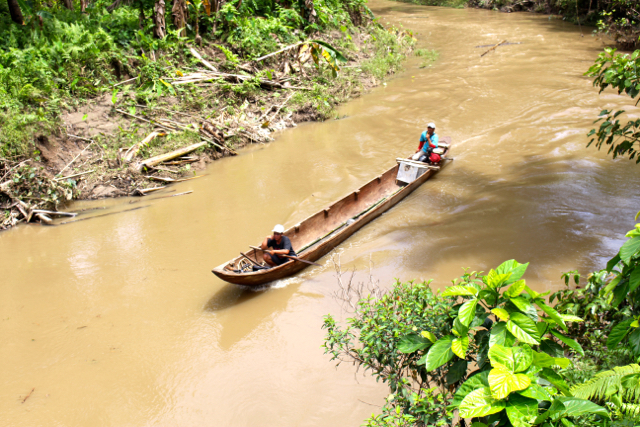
(116,319)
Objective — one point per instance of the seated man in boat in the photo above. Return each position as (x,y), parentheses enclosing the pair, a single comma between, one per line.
(428,141)
(280,244)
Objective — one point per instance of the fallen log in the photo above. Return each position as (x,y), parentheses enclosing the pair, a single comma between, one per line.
(145,191)
(153,161)
(44,218)
(201,59)
(58,213)
(163,179)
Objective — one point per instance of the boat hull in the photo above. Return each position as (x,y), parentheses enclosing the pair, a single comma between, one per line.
(381,194)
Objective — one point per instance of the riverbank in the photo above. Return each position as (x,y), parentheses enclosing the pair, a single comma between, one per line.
(136,138)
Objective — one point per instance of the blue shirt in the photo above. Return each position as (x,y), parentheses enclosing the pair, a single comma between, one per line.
(423,138)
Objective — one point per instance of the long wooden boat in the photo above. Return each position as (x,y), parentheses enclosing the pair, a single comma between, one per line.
(320,233)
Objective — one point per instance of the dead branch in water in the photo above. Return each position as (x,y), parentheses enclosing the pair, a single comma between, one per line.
(503,41)
(28,395)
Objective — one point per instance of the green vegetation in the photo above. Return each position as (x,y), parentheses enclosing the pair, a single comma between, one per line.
(620,71)
(496,353)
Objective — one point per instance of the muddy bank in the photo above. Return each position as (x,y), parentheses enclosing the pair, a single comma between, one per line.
(123,145)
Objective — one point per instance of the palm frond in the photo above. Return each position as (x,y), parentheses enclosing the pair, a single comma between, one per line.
(621,379)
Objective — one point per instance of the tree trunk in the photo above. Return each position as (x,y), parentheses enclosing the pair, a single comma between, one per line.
(179,12)
(16,12)
(83,5)
(68,4)
(159,26)
(310,12)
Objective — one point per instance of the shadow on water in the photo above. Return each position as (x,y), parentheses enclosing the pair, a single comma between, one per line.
(231,296)
(549,212)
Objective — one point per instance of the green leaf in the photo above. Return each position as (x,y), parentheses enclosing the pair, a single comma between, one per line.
(455,291)
(457,372)
(479,424)
(516,359)
(571,318)
(85,117)
(523,328)
(555,379)
(514,267)
(522,304)
(439,353)
(562,362)
(459,329)
(618,333)
(489,296)
(502,381)
(543,360)
(612,263)
(515,289)
(522,411)
(620,293)
(412,343)
(479,380)
(500,335)
(495,280)
(428,335)
(467,312)
(552,348)
(537,392)
(551,312)
(501,314)
(575,407)
(480,403)
(634,341)
(629,249)
(634,279)
(569,342)
(459,346)
(556,408)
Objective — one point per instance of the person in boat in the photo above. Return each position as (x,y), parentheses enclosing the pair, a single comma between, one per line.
(279,244)
(428,141)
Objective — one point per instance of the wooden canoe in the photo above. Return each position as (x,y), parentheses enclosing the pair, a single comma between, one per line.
(320,233)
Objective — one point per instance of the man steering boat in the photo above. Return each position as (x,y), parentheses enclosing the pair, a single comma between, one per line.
(280,245)
(428,142)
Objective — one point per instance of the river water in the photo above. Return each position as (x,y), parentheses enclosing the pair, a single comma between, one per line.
(118,321)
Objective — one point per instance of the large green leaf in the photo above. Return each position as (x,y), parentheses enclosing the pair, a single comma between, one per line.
(439,353)
(551,312)
(523,328)
(515,289)
(429,335)
(634,279)
(502,382)
(629,249)
(568,341)
(516,359)
(618,333)
(522,411)
(456,291)
(480,403)
(477,381)
(459,346)
(514,267)
(500,335)
(467,312)
(459,329)
(556,408)
(634,341)
(620,293)
(552,348)
(537,392)
(613,262)
(575,407)
(412,343)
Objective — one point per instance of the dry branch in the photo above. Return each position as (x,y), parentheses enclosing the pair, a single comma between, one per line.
(201,59)
(133,151)
(503,41)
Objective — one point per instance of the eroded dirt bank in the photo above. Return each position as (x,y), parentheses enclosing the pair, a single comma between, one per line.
(120,145)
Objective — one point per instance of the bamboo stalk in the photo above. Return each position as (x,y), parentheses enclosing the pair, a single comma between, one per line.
(503,41)
(153,161)
(135,149)
(74,175)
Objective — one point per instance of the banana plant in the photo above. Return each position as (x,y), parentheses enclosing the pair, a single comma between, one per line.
(514,339)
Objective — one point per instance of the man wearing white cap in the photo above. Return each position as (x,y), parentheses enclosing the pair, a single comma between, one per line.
(428,141)
(280,244)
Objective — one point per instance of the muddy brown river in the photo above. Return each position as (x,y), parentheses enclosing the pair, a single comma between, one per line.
(118,321)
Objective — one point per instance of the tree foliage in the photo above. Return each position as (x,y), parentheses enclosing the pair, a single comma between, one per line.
(621,73)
